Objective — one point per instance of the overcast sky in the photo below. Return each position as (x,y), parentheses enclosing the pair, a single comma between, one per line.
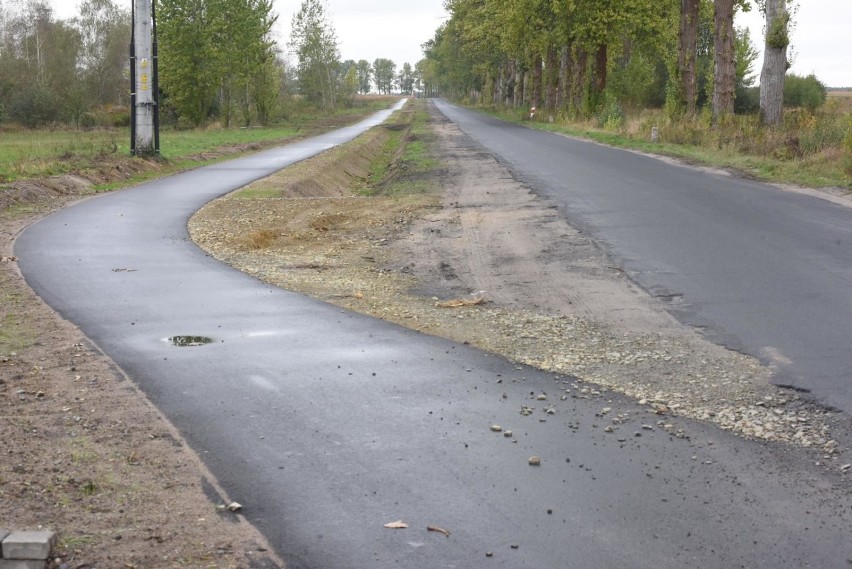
(395,29)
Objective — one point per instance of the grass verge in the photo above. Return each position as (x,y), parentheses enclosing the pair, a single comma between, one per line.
(27,154)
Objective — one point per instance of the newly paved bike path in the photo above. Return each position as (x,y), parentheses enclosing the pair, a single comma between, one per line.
(326,424)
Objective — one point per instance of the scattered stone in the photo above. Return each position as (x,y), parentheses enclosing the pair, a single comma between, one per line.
(28,545)
(496,428)
(535,461)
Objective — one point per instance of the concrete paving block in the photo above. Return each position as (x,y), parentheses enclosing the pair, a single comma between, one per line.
(22,563)
(28,545)
(3,534)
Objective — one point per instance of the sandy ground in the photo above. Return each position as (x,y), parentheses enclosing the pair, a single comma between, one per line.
(480,259)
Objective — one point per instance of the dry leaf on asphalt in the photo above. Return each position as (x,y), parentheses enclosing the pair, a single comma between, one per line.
(397,525)
(439,530)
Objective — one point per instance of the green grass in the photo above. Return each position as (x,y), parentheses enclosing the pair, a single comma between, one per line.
(406,164)
(380,167)
(31,154)
(71,542)
(26,154)
(15,334)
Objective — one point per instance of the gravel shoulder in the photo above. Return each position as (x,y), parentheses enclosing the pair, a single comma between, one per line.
(478,258)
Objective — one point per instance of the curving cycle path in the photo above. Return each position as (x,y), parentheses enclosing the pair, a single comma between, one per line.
(326,425)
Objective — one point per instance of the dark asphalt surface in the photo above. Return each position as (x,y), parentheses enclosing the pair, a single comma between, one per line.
(762,271)
(326,425)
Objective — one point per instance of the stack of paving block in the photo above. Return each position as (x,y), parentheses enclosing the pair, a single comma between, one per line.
(25,549)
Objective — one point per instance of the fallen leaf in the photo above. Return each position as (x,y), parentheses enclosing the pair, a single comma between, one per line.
(397,525)
(8,259)
(439,530)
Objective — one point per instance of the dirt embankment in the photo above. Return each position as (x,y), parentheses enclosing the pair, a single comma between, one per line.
(478,258)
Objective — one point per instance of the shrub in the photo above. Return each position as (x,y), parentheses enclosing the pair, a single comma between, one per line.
(808,92)
(611,115)
(747,100)
(33,107)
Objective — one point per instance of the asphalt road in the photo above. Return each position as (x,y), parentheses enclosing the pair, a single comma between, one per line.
(326,425)
(761,270)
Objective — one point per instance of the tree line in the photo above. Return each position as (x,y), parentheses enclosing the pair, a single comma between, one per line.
(53,70)
(597,56)
(218,61)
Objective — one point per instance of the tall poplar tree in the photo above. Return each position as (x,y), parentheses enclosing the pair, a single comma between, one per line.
(406,78)
(314,42)
(384,71)
(724,72)
(365,76)
(774,61)
(686,54)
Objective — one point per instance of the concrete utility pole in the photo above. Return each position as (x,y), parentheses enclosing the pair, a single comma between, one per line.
(144,120)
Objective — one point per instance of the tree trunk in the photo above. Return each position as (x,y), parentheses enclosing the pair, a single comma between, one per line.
(564,70)
(774,62)
(225,112)
(686,52)
(578,87)
(509,94)
(725,68)
(535,91)
(499,84)
(519,85)
(552,74)
(601,58)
